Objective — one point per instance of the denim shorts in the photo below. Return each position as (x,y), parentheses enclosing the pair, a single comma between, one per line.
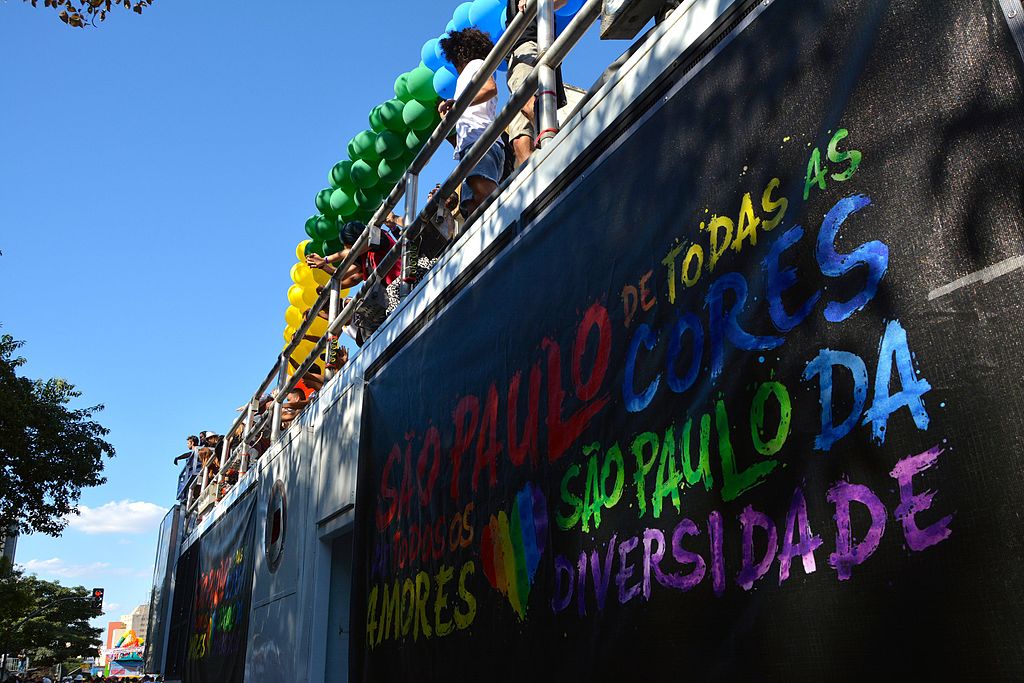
(490,167)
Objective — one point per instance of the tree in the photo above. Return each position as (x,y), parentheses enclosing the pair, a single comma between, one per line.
(48,452)
(81,13)
(61,631)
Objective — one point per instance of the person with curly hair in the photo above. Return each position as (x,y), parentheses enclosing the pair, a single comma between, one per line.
(466,50)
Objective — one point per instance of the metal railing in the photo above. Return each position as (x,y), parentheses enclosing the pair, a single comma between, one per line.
(540,84)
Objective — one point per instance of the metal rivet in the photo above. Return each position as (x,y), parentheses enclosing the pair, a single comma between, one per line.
(1012,13)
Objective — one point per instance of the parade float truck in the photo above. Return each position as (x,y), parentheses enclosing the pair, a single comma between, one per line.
(725,383)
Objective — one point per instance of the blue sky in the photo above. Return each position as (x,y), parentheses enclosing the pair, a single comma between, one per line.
(155,174)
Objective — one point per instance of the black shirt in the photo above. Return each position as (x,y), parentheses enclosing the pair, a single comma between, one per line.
(530,34)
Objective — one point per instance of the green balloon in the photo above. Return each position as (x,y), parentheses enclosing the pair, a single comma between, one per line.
(402,88)
(390,171)
(391,115)
(332,246)
(339,174)
(363,175)
(311,226)
(313,247)
(327,229)
(376,124)
(362,147)
(341,203)
(324,225)
(421,84)
(409,156)
(370,198)
(389,145)
(414,140)
(364,215)
(418,116)
(323,202)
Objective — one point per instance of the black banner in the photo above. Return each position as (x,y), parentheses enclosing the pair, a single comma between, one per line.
(167,544)
(212,600)
(180,627)
(745,401)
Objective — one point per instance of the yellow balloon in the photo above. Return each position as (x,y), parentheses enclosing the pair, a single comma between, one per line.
(293,317)
(344,293)
(309,297)
(300,251)
(289,332)
(295,297)
(318,328)
(302,275)
(302,351)
(320,277)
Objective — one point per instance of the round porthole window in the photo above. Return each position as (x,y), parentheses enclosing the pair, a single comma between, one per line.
(276,526)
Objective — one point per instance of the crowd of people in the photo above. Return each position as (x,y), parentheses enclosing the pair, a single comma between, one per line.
(81,677)
(203,455)
(466,50)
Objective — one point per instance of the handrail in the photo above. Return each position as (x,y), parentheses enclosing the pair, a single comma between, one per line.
(549,59)
(552,58)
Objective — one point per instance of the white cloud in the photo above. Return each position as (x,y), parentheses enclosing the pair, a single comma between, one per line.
(59,568)
(118,517)
(56,567)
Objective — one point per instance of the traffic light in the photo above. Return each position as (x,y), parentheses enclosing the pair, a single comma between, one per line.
(97,597)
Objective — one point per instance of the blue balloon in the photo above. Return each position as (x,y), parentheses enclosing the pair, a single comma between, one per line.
(504,19)
(429,54)
(569,9)
(486,16)
(450,27)
(560,23)
(438,51)
(461,16)
(444,83)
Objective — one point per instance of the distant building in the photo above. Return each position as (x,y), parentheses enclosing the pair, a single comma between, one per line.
(138,620)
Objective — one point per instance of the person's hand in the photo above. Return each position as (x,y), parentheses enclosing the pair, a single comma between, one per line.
(433,192)
(316,261)
(445,106)
(522,5)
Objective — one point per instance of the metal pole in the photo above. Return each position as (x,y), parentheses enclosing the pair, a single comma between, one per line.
(282,376)
(225,453)
(547,96)
(332,339)
(410,253)
(250,415)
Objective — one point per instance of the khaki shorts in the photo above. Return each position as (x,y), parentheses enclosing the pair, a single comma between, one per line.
(524,58)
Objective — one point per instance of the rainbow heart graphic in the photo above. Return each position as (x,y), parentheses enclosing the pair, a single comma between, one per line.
(511,547)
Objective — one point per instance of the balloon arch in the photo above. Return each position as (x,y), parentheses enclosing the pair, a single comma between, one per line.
(379,156)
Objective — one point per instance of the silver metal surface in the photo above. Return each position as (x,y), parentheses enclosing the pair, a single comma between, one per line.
(412,182)
(282,376)
(546,113)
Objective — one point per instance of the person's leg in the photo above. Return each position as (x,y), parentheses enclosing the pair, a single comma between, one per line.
(483,181)
(523,148)
(521,130)
(482,188)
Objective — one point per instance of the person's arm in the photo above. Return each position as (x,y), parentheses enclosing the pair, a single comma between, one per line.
(184,456)
(487,92)
(313,381)
(324,264)
(353,276)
